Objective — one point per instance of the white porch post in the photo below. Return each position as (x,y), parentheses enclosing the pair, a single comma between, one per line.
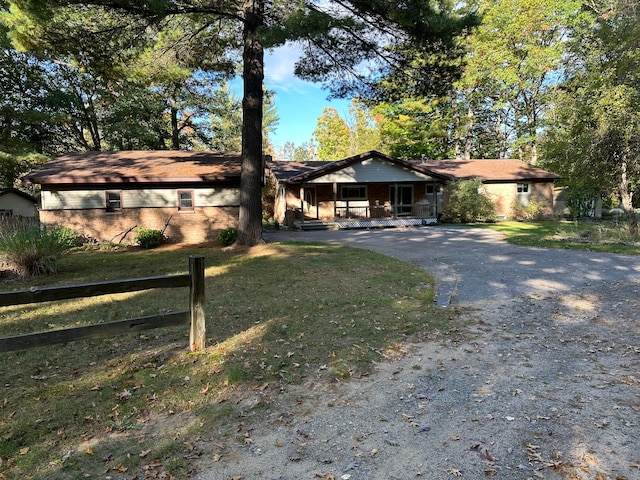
(395,200)
(301,204)
(335,201)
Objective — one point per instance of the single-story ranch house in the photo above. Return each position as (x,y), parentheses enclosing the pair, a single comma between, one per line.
(373,189)
(191,196)
(104,195)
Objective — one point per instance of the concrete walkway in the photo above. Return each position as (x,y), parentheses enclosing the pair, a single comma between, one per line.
(476,264)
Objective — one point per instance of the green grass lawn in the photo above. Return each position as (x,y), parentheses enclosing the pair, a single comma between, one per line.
(602,236)
(280,314)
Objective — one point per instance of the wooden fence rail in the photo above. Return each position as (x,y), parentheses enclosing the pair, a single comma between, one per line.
(195,315)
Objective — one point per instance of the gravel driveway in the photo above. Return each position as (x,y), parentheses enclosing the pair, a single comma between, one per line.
(475,264)
(539,376)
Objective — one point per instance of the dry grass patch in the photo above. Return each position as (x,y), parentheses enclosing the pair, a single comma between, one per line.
(134,405)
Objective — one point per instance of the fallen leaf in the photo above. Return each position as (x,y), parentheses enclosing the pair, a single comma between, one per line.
(487,456)
(24,451)
(373,452)
(144,453)
(216,457)
(124,395)
(326,476)
(453,471)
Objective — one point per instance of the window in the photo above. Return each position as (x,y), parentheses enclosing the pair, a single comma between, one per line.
(185,201)
(354,192)
(114,201)
(523,188)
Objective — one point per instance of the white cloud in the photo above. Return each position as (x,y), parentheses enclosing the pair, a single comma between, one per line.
(279,70)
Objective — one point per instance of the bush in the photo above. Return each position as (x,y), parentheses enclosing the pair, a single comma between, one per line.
(32,250)
(148,238)
(227,236)
(534,210)
(466,203)
(65,236)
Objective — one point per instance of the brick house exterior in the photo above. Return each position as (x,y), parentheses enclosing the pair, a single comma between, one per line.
(506,181)
(106,195)
(373,185)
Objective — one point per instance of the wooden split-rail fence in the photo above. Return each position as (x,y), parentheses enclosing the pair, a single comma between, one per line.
(195,316)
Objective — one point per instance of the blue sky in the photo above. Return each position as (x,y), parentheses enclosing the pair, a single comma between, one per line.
(299,103)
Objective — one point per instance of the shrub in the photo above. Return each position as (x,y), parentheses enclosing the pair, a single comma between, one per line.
(534,210)
(467,203)
(32,250)
(66,236)
(227,236)
(148,238)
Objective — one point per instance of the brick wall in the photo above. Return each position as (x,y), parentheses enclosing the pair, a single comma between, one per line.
(201,225)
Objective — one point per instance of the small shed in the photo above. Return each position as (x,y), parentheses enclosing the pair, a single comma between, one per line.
(16,203)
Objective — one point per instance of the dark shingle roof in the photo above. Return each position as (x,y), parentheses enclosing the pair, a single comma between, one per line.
(286,170)
(144,166)
(488,170)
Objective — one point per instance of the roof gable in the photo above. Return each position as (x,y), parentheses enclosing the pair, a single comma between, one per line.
(350,169)
(144,166)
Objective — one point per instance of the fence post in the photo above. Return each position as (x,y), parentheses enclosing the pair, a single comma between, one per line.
(196,303)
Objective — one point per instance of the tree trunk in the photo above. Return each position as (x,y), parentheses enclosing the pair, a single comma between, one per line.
(626,200)
(250,219)
(456,126)
(468,142)
(175,132)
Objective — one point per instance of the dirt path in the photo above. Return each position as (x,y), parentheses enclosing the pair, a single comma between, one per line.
(541,384)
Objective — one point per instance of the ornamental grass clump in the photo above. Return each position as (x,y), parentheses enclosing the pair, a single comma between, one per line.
(31,250)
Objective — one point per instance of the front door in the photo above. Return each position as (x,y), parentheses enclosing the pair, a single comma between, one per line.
(310,207)
(401,199)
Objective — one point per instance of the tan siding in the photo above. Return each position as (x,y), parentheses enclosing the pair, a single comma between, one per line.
(60,199)
(95,199)
(19,206)
(371,171)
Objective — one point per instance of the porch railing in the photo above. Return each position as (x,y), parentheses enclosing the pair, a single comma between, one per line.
(385,211)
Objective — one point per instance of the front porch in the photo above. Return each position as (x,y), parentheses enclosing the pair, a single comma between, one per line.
(359,214)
